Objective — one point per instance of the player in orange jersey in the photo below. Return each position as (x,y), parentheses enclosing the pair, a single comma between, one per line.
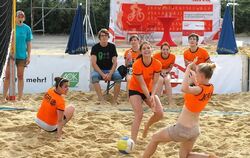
(167,60)
(186,130)
(142,87)
(195,51)
(130,55)
(52,114)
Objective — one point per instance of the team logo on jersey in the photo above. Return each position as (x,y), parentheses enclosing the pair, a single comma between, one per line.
(53,102)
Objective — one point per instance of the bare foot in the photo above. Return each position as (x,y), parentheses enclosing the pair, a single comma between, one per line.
(104,102)
(3,101)
(100,101)
(114,102)
(145,131)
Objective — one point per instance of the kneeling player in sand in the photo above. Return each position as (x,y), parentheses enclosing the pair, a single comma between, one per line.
(52,114)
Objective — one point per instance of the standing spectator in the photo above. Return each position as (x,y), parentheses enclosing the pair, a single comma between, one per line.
(195,51)
(104,62)
(22,55)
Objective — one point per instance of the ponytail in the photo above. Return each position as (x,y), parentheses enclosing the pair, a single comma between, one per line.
(60,81)
(207,69)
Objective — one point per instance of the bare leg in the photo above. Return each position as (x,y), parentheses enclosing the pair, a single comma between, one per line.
(186,148)
(117,88)
(158,115)
(69,111)
(6,82)
(159,86)
(20,72)
(128,78)
(168,89)
(159,137)
(98,91)
(136,102)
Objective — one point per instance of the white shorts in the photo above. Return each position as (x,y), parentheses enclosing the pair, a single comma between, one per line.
(45,126)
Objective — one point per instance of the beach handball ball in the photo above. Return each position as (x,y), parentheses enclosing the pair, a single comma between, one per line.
(125,145)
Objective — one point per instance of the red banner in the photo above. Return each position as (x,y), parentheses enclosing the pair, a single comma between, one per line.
(142,17)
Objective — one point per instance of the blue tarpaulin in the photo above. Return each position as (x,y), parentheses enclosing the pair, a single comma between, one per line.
(77,42)
(227,43)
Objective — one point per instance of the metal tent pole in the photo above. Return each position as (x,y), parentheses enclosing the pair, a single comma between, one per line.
(43,16)
(86,22)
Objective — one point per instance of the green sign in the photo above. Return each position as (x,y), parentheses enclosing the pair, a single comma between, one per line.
(73,78)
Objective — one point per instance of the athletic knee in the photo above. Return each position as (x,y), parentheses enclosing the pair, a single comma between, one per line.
(155,138)
(160,115)
(160,80)
(128,78)
(7,77)
(95,77)
(20,76)
(71,109)
(167,80)
(116,77)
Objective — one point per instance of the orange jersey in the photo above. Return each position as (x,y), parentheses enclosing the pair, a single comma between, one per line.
(166,62)
(196,103)
(146,71)
(201,53)
(131,56)
(50,104)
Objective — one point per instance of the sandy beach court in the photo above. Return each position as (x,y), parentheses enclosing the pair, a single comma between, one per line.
(96,127)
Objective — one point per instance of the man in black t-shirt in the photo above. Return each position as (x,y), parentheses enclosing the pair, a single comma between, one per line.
(104,62)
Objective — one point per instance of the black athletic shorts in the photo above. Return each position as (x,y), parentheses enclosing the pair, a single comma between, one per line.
(132,92)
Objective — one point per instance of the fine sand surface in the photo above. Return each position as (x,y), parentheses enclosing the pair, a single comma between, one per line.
(96,127)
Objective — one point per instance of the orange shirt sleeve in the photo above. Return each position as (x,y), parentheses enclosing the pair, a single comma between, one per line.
(61,105)
(125,54)
(186,55)
(205,54)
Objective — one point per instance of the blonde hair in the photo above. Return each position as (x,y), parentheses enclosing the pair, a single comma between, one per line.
(143,43)
(207,69)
